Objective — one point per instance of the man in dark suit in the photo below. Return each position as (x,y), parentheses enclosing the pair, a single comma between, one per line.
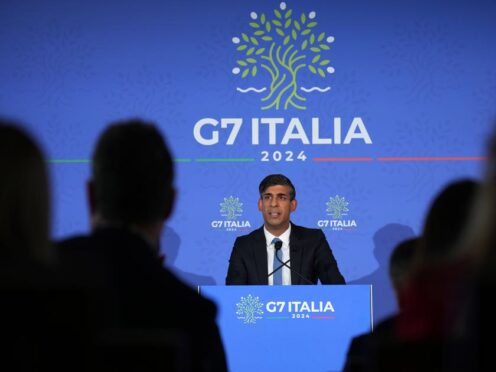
(141,313)
(305,254)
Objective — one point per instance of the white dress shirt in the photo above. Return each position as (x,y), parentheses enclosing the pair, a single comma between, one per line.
(286,273)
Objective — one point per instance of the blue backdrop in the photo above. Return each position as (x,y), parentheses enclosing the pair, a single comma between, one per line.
(370,107)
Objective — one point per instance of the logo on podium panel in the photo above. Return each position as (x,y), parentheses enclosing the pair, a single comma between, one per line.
(250,309)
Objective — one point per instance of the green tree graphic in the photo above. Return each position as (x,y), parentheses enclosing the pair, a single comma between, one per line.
(283,45)
(337,206)
(231,206)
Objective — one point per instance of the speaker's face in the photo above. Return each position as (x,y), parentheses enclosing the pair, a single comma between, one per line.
(276,207)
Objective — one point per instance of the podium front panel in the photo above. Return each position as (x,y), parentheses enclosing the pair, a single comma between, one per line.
(290,328)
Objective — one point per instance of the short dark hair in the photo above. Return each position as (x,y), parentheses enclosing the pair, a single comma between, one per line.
(277,180)
(133,173)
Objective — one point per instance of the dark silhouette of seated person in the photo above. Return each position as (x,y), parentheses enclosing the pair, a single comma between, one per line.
(39,324)
(142,314)
(385,240)
(362,348)
(429,298)
(475,331)
(24,206)
(423,330)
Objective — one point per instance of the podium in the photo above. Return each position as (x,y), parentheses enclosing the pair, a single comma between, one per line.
(290,328)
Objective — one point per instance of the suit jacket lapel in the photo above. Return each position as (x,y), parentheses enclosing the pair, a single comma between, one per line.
(295,252)
(260,253)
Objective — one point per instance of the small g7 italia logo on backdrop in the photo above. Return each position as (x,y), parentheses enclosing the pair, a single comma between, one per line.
(230,210)
(249,309)
(280,46)
(337,209)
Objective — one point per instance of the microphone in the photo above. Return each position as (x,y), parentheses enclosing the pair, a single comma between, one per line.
(277,247)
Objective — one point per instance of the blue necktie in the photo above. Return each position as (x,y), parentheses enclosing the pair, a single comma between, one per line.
(277,276)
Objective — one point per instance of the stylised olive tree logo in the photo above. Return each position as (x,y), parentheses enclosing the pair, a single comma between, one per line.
(230,208)
(283,45)
(337,206)
(249,308)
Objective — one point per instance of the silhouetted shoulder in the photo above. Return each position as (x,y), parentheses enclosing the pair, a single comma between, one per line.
(122,262)
(189,296)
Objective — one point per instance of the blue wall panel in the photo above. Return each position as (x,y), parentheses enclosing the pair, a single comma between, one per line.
(419,75)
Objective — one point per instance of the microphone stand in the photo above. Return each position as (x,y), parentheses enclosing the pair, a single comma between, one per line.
(278,247)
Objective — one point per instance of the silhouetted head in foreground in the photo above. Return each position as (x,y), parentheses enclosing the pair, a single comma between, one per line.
(446,221)
(401,263)
(24,197)
(132,179)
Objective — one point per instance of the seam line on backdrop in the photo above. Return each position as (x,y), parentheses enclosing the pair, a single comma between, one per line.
(177,160)
(85,161)
(434,158)
(406,158)
(68,161)
(227,160)
(342,159)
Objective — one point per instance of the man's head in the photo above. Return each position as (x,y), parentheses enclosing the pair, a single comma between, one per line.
(277,201)
(24,197)
(132,175)
(401,262)
(446,221)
